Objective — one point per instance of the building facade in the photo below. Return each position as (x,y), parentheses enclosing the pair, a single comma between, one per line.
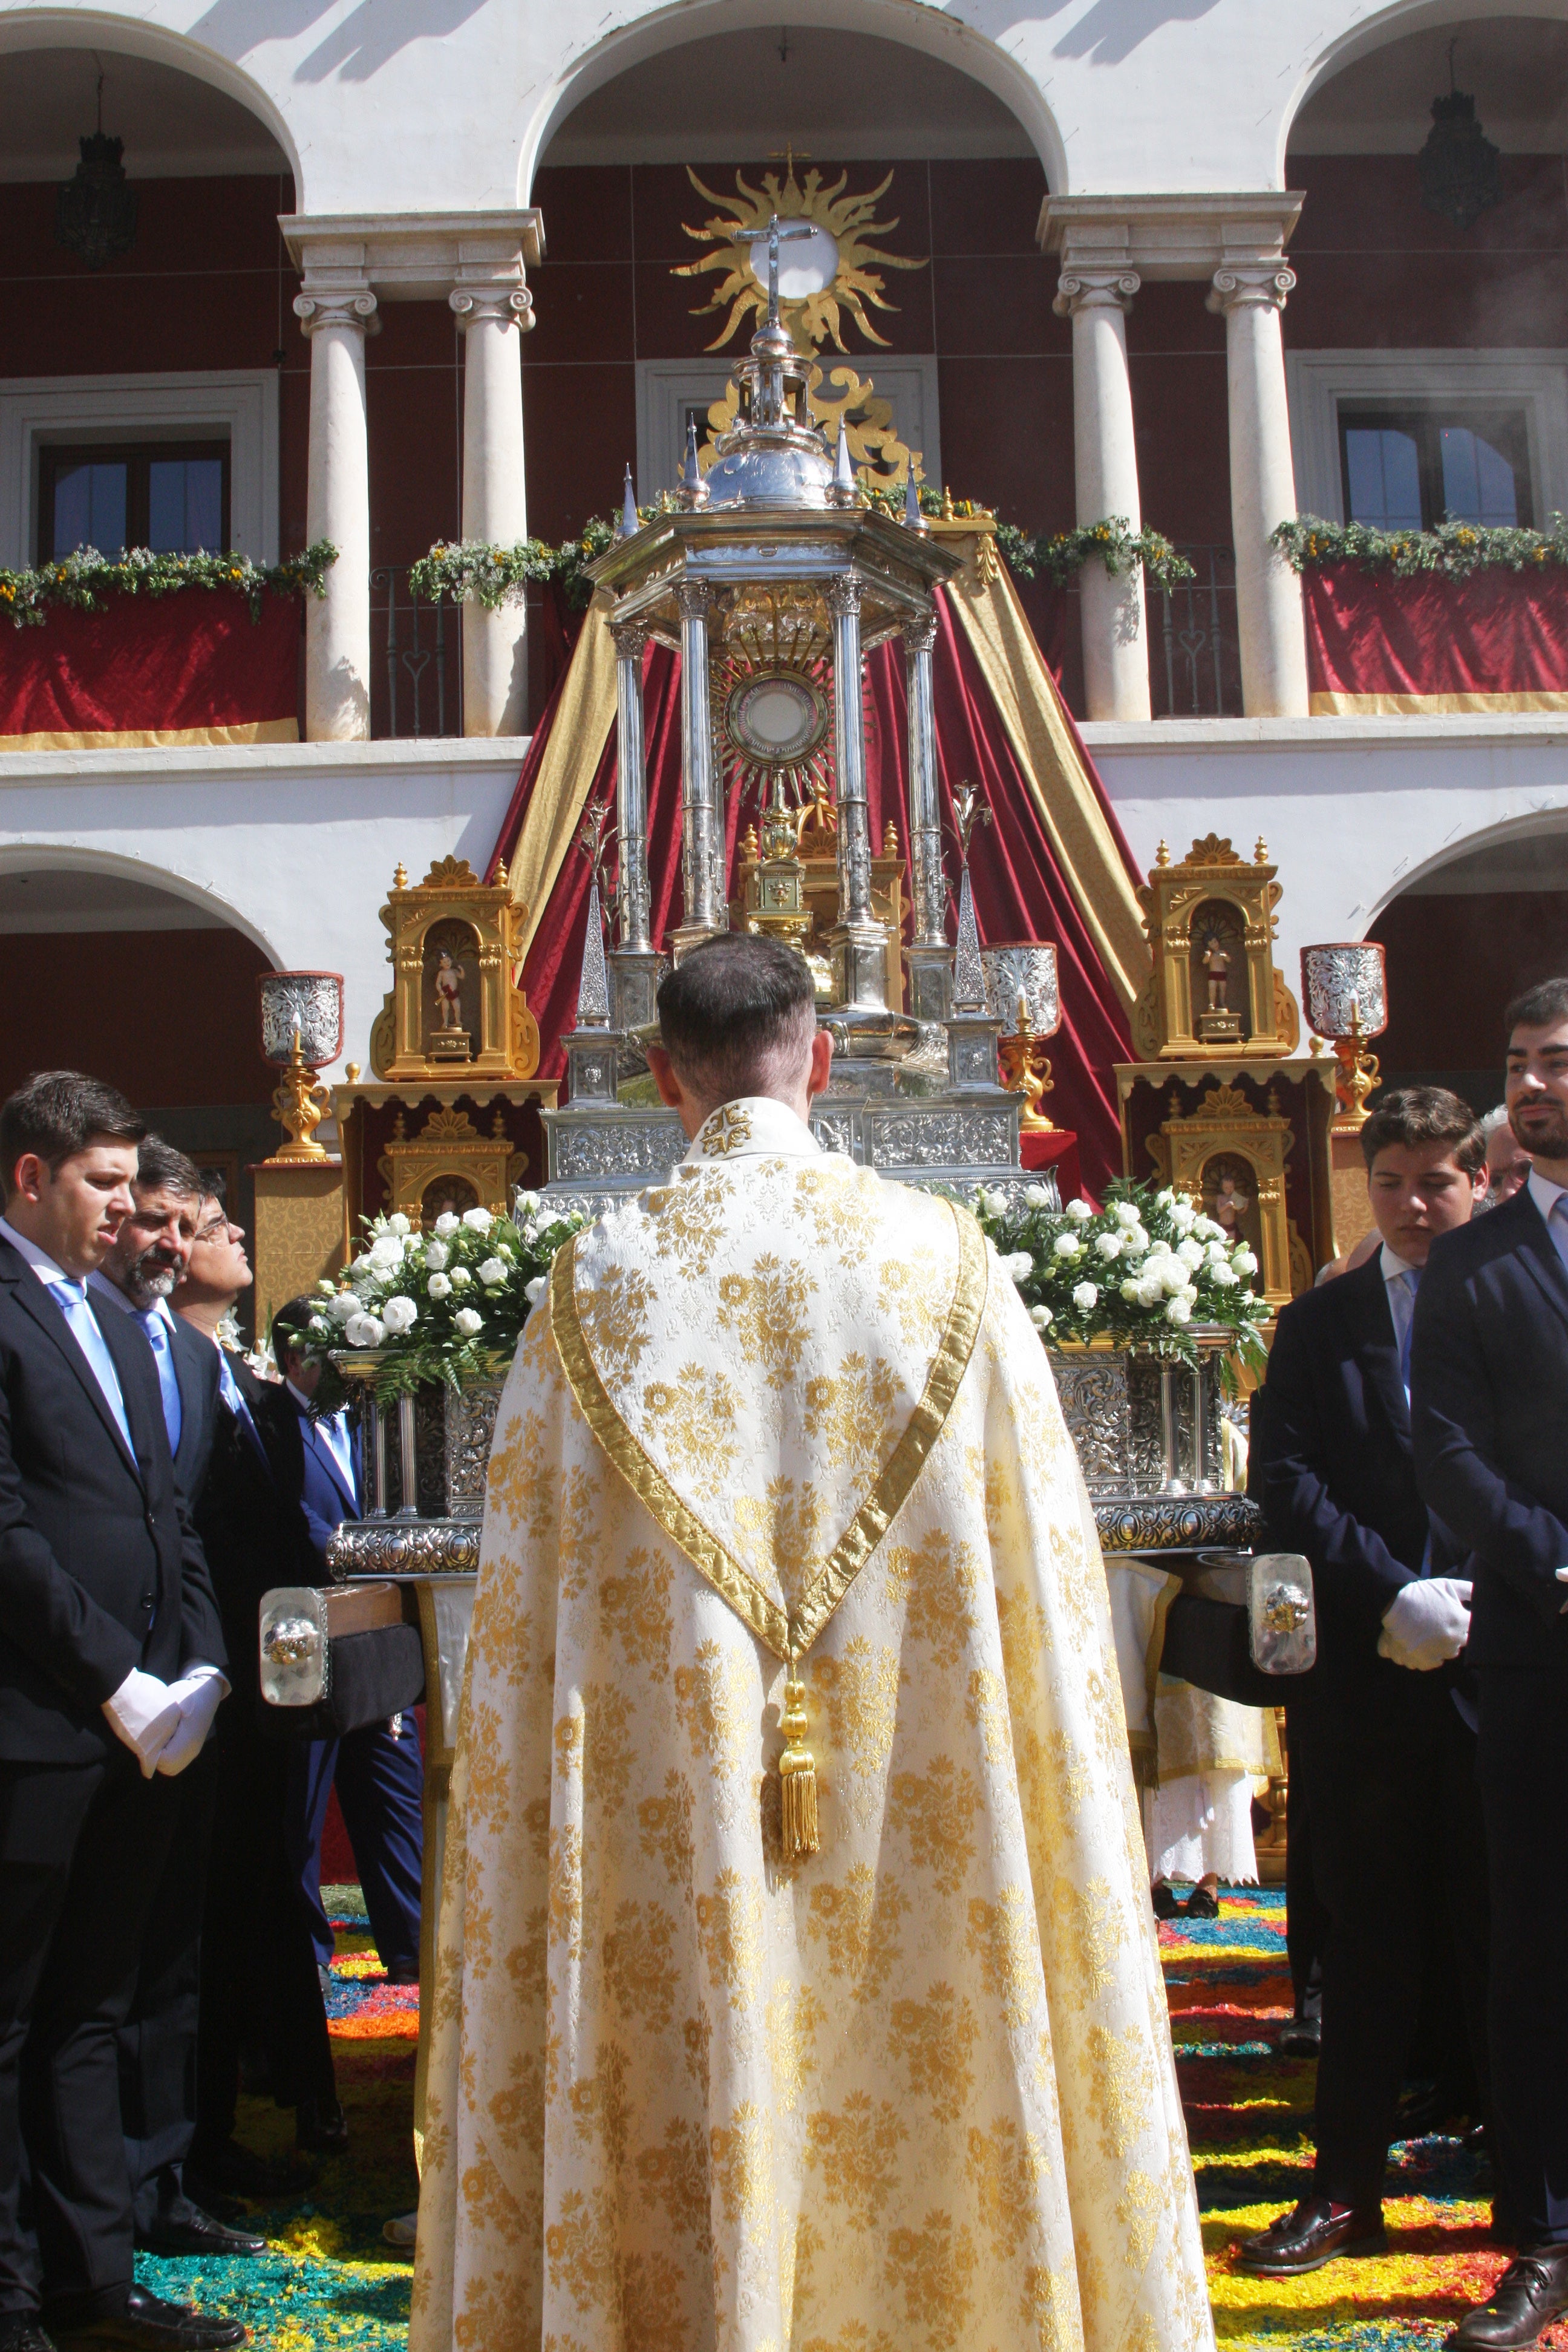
(405,271)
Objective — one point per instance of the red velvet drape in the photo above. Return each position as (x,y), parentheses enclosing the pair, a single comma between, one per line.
(170,664)
(1498,633)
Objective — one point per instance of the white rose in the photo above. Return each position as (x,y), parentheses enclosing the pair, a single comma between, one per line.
(477,1221)
(996,1203)
(398,1224)
(1191,1253)
(1137,1240)
(1085,1296)
(1079,1212)
(1222,1277)
(1041,1318)
(464,1322)
(1217,1254)
(1183,1217)
(461,1277)
(1133,1294)
(1206,1230)
(364,1332)
(386,1253)
(1037,1197)
(1108,1244)
(445,1224)
(1178,1311)
(1065,1246)
(531,1230)
(436,1255)
(438,1286)
(493,1271)
(527,1204)
(1127,1213)
(1165,1199)
(343,1307)
(534,1291)
(1190,1294)
(1172,1276)
(399,1313)
(1243,1261)
(1151,1291)
(320,1327)
(1019,1267)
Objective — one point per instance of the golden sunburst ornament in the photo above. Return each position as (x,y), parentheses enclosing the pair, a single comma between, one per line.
(824,274)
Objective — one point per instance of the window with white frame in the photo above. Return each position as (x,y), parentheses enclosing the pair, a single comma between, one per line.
(1405,440)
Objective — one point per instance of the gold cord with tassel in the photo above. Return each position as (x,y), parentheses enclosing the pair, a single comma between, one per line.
(797,1774)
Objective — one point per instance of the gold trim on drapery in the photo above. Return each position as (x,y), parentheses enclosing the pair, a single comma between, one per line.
(151,738)
(1085,848)
(1430,705)
(788,1637)
(584,717)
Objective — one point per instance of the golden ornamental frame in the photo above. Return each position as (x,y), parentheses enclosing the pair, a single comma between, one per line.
(1225,1121)
(506,1044)
(1165,1023)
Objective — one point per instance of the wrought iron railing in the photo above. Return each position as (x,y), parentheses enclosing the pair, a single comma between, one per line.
(417,689)
(1194,662)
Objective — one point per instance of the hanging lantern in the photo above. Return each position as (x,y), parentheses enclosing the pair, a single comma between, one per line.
(1458,168)
(95,212)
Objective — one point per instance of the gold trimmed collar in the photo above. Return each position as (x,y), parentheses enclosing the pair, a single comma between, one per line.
(788,1634)
(752,1127)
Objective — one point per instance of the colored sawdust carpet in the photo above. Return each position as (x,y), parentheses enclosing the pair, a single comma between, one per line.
(328,2280)
(1249,2115)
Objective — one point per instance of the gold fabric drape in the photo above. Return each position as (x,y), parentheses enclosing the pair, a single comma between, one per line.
(584,717)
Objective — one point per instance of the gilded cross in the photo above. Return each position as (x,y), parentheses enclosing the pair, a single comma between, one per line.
(777,237)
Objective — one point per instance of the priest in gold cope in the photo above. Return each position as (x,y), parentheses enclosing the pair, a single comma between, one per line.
(796,1980)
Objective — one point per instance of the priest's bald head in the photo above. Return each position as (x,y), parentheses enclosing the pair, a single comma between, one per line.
(738,1016)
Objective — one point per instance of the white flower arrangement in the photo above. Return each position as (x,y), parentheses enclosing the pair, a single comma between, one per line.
(1162,1269)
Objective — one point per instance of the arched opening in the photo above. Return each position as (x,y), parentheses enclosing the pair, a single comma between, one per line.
(958,335)
(1424,336)
(124,974)
(1461,940)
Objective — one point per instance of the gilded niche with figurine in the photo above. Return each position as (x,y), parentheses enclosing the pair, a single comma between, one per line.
(1215,992)
(455,1008)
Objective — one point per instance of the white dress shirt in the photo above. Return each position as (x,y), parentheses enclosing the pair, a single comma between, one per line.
(1546,1195)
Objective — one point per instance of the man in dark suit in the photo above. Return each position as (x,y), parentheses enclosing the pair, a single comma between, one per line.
(258,1979)
(158,2041)
(111,1668)
(1384,1753)
(1489,1384)
(377,1770)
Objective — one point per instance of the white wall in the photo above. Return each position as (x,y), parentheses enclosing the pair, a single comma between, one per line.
(1353,810)
(447,105)
(296,845)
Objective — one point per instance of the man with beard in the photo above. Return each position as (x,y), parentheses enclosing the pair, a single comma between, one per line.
(158,2041)
(1489,1388)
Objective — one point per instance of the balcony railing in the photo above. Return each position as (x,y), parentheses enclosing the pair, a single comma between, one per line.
(1195,670)
(417,688)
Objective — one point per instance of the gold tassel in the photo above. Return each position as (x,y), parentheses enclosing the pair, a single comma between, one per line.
(797,1773)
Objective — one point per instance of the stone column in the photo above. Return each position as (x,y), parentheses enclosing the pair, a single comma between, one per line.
(631,784)
(1105,472)
(859,944)
(929,957)
(337,506)
(1262,488)
(495,508)
(700,850)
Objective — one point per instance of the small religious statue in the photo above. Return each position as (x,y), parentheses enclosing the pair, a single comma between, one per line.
(1218,1023)
(1216,963)
(1228,1204)
(449,992)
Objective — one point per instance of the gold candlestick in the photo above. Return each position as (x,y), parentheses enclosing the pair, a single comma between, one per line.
(1358,1075)
(1027,1071)
(298,1110)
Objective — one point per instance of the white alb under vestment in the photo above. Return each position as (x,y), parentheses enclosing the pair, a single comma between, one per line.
(912,2092)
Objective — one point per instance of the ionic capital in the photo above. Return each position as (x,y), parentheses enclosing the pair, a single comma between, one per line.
(1095,289)
(1240,284)
(337,307)
(511,305)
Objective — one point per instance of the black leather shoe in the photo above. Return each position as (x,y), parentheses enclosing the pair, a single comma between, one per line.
(1310,2237)
(1531,2292)
(20,2332)
(1302,2038)
(189,2230)
(320,2126)
(1165,1900)
(1203,1903)
(148,2324)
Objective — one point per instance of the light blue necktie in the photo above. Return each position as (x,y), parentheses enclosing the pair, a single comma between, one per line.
(229,1388)
(1411,1279)
(333,1429)
(70,1297)
(1557,1225)
(157,1332)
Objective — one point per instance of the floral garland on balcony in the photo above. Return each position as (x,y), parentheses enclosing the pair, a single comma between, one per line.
(491,576)
(1451,551)
(86,580)
(1141,1272)
(442,1308)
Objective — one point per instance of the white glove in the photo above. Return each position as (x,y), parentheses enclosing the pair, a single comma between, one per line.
(199,1692)
(1426,1622)
(144,1713)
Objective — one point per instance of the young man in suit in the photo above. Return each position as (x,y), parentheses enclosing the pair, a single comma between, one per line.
(377,1770)
(1385,1755)
(158,2041)
(259,1977)
(1489,1384)
(111,1670)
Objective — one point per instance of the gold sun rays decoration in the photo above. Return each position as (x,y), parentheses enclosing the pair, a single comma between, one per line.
(773,698)
(743,218)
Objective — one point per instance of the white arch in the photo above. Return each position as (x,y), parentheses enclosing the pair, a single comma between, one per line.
(24,28)
(60,857)
(1391,23)
(1537,824)
(915,23)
